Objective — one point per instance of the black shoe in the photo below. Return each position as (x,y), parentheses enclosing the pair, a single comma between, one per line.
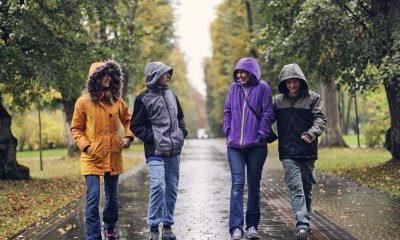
(167,233)
(153,234)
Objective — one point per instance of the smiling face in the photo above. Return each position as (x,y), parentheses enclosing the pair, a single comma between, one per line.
(164,80)
(242,76)
(105,81)
(293,86)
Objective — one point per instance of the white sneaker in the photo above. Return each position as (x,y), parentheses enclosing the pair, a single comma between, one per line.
(252,233)
(237,234)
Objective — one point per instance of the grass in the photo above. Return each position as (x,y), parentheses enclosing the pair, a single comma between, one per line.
(25,203)
(367,166)
(351,140)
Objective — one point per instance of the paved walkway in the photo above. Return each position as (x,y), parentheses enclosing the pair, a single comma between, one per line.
(342,210)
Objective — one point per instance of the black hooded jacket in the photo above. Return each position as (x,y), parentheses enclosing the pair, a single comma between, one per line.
(296,116)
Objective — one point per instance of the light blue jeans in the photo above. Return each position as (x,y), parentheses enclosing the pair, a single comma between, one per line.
(164,176)
(300,178)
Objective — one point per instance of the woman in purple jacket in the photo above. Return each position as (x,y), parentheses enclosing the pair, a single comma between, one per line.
(248,114)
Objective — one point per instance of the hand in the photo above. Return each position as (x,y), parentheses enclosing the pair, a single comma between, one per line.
(126,142)
(306,138)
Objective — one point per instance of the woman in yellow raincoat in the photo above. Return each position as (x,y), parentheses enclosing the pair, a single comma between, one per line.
(95,129)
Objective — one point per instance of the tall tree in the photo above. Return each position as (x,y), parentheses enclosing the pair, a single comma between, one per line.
(230,40)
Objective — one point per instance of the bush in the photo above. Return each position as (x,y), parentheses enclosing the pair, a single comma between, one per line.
(374,134)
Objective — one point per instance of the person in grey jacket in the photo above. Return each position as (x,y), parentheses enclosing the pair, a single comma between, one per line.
(300,120)
(157,120)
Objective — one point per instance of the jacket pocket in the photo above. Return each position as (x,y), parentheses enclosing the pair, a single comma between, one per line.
(115,144)
(96,149)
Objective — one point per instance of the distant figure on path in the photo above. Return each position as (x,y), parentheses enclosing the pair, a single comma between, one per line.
(248,115)
(300,120)
(94,127)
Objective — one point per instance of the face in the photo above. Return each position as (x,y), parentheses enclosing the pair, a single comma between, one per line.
(105,81)
(242,76)
(164,80)
(293,85)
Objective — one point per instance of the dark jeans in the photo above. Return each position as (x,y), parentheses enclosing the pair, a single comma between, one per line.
(110,212)
(254,158)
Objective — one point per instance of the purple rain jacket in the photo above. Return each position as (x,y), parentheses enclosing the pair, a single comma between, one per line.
(241,127)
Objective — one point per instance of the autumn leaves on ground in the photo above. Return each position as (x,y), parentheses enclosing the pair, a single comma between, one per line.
(29,202)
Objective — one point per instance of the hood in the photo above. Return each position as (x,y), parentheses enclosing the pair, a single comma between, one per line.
(97,71)
(154,71)
(292,70)
(250,65)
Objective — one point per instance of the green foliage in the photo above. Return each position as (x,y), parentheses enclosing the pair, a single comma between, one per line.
(25,128)
(231,41)
(374,133)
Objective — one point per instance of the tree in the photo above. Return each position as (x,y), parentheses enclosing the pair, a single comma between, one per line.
(290,32)
(230,40)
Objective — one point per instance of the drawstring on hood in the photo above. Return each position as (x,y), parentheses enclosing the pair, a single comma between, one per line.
(96,72)
(154,72)
(252,67)
(289,71)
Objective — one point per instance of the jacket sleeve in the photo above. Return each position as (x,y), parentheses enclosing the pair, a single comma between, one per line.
(227,113)
(319,118)
(78,126)
(140,124)
(180,116)
(267,113)
(125,118)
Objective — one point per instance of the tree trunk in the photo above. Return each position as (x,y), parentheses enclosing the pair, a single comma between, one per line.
(9,167)
(393,97)
(253,51)
(68,111)
(332,136)
(348,114)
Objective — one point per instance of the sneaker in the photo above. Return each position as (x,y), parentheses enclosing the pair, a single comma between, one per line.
(237,234)
(252,233)
(110,234)
(153,235)
(167,233)
(302,234)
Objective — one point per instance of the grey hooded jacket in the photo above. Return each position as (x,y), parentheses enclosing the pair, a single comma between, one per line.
(298,115)
(157,117)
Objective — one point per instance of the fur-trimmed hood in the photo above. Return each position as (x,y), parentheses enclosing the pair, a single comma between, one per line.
(97,71)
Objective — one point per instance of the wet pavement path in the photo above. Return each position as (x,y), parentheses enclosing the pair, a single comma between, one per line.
(342,210)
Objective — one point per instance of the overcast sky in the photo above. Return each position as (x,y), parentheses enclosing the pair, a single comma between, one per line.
(193,19)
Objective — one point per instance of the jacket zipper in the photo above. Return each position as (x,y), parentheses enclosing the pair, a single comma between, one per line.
(244,106)
(170,122)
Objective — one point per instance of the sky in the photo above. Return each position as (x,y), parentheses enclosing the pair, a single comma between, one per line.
(193,19)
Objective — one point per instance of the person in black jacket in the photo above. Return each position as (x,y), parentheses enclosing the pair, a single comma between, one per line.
(157,120)
(300,120)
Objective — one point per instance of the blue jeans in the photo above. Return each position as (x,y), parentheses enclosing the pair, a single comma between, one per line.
(300,178)
(164,176)
(110,213)
(254,158)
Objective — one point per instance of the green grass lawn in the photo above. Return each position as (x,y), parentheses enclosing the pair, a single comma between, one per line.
(367,166)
